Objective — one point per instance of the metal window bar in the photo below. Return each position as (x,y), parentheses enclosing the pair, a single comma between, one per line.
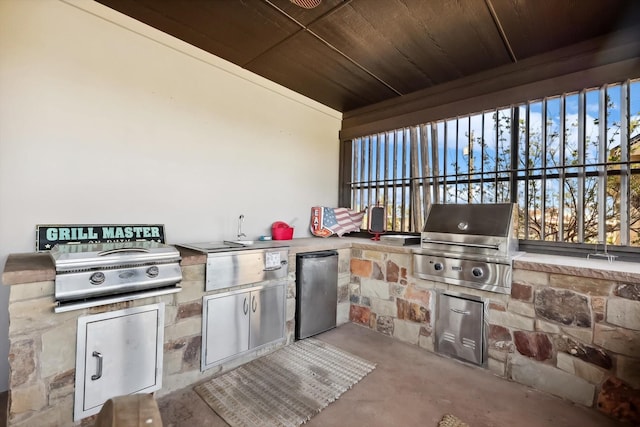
(363,171)
(543,181)
(561,160)
(443,173)
(435,156)
(527,132)
(396,151)
(582,141)
(497,147)
(602,171)
(424,184)
(482,154)
(354,169)
(370,199)
(359,177)
(515,135)
(457,163)
(385,188)
(404,184)
(378,156)
(427,171)
(471,160)
(416,199)
(625,233)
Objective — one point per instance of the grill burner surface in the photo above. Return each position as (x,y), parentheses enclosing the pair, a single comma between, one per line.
(469,245)
(93,274)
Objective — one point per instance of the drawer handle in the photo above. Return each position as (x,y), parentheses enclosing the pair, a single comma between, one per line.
(98,374)
(273,268)
(455,310)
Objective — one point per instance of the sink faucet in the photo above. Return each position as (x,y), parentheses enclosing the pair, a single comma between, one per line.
(240,221)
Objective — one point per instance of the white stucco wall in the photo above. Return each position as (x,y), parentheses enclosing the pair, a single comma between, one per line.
(105,120)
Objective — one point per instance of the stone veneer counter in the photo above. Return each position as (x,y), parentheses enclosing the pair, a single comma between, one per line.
(570,327)
(37,267)
(42,352)
(594,268)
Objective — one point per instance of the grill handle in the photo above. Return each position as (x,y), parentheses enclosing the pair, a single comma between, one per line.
(121,250)
(471,245)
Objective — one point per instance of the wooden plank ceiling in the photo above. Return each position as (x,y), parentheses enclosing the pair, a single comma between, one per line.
(348,54)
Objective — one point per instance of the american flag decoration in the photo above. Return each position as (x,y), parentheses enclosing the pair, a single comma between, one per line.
(327,221)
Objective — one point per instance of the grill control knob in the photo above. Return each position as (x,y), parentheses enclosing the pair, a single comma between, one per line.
(97,278)
(477,272)
(438,266)
(153,271)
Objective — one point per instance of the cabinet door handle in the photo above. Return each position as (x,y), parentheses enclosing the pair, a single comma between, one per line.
(245,306)
(98,374)
(254,304)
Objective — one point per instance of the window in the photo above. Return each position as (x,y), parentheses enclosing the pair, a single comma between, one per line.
(571,162)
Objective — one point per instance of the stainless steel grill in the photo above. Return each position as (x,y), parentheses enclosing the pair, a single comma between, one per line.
(469,245)
(94,274)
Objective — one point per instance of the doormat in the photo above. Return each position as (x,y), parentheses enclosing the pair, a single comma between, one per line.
(286,387)
(451,421)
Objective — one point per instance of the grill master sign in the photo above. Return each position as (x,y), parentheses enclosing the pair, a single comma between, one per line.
(47,236)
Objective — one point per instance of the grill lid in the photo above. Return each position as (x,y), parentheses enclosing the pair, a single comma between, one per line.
(471,219)
(483,230)
(92,255)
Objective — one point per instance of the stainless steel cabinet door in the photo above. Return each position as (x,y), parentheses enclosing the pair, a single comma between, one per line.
(227,327)
(460,327)
(267,315)
(120,357)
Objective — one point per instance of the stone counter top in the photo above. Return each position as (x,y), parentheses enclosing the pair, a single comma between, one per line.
(28,268)
(308,244)
(574,266)
(37,267)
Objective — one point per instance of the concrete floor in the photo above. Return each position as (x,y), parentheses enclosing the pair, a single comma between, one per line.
(412,387)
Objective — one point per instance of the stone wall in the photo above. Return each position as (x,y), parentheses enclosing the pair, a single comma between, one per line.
(572,336)
(43,344)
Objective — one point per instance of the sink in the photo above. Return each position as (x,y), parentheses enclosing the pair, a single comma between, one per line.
(239,242)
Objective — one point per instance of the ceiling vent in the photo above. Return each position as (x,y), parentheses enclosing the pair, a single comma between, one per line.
(307,4)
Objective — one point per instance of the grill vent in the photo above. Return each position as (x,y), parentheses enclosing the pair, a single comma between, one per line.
(448,336)
(469,343)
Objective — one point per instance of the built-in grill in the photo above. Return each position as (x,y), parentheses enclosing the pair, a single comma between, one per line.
(470,245)
(92,274)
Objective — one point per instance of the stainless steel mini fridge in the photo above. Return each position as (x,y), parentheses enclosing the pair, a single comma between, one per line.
(316,292)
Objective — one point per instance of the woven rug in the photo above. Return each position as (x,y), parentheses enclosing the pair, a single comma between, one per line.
(451,421)
(284,388)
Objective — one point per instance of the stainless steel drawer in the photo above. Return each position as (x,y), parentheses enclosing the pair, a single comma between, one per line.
(228,269)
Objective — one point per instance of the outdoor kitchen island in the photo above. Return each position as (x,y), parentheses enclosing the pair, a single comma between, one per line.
(569,327)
